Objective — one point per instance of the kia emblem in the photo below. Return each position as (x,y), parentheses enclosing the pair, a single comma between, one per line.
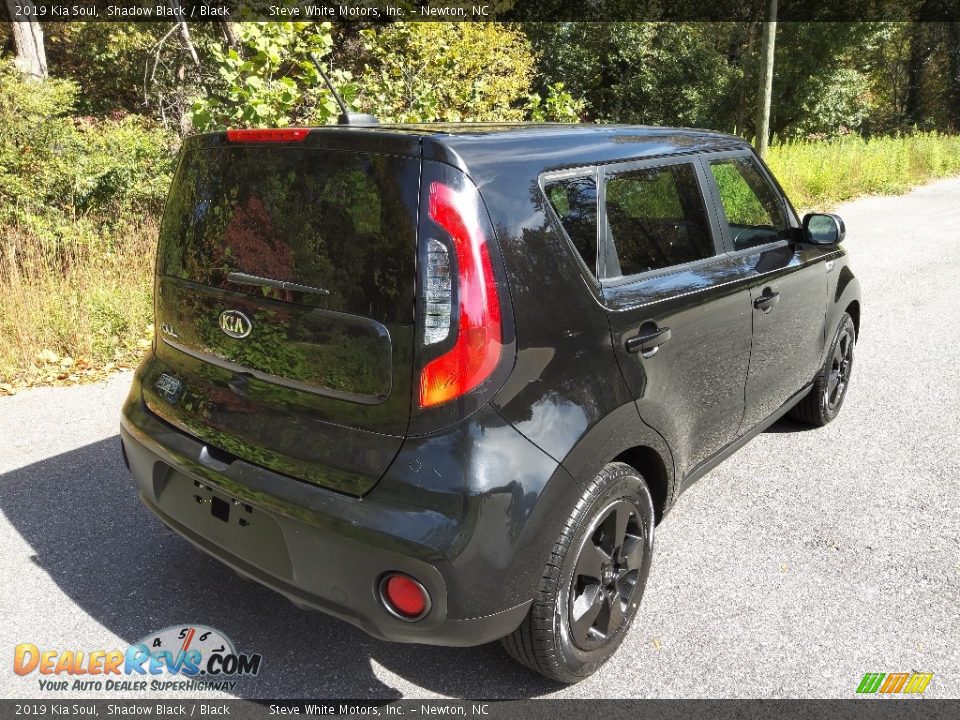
(235,324)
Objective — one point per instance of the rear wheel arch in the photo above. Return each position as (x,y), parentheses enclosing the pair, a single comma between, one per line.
(651,467)
(623,437)
(853,310)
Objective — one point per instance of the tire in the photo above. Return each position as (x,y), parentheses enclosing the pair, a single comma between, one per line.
(593,582)
(825,399)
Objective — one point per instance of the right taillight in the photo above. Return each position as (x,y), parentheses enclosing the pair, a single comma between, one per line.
(479,341)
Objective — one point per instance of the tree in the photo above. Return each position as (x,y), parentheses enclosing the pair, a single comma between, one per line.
(656,73)
(31,59)
(438,71)
(822,85)
(268,78)
(921,48)
(953,66)
(706,74)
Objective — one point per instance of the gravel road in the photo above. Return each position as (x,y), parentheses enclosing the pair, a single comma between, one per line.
(807,559)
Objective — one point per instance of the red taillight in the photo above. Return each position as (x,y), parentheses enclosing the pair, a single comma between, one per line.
(479,341)
(404,596)
(268,135)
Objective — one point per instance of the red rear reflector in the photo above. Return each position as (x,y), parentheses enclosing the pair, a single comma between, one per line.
(405,596)
(268,135)
(476,351)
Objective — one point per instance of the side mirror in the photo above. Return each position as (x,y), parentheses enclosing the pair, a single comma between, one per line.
(823,229)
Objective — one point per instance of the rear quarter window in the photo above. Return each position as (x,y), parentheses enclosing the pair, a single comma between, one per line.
(574,200)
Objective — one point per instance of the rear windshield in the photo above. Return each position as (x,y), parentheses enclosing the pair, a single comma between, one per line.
(342,224)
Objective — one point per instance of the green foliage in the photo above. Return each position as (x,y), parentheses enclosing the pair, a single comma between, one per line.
(409,72)
(456,72)
(558,106)
(658,73)
(883,62)
(705,74)
(830,77)
(269,79)
(106,59)
(54,166)
(837,105)
(819,85)
(36,122)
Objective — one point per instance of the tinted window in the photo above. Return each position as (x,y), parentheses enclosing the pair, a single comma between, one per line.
(340,221)
(656,218)
(754,213)
(575,202)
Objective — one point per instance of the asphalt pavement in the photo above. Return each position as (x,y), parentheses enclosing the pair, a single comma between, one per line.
(804,561)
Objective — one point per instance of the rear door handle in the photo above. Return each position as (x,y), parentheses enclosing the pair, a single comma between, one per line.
(649,342)
(766,301)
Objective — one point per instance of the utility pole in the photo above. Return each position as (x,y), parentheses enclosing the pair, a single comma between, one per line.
(765,89)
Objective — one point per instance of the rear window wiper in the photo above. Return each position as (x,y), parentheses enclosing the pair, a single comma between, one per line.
(244,279)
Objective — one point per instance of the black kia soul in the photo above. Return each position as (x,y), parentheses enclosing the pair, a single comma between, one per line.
(443,381)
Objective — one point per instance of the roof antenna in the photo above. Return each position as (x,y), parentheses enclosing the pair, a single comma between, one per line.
(346,117)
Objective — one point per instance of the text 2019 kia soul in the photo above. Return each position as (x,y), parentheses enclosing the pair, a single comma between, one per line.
(442,381)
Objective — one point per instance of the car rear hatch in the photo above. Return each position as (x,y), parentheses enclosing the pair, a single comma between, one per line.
(285,299)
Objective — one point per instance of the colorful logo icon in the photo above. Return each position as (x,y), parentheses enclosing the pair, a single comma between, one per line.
(195,653)
(890,683)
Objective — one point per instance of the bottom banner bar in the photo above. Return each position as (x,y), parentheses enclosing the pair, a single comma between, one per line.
(868,709)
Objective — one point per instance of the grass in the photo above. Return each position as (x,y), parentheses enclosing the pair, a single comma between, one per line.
(819,174)
(71,316)
(68,316)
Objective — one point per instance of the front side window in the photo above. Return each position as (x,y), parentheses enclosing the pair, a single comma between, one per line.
(574,200)
(753,210)
(656,218)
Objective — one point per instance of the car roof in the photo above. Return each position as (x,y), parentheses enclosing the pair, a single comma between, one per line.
(487,150)
(553,134)
(507,130)
(478,147)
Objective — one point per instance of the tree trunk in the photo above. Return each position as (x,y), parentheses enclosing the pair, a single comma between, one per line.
(229,34)
(765,88)
(920,50)
(953,67)
(31,59)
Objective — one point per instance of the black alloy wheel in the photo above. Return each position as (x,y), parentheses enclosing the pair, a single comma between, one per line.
(841,363)
(605,579)
(593,581)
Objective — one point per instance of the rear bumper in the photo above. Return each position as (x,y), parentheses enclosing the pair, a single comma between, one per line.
(328,551)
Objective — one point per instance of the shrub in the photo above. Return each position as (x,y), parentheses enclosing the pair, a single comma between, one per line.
(55,165)
(79,199)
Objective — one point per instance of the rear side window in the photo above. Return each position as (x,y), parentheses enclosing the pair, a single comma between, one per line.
(342,223)
(574,200)
(752,208)
(656,218)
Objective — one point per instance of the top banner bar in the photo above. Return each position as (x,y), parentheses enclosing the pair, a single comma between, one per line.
(374,11)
